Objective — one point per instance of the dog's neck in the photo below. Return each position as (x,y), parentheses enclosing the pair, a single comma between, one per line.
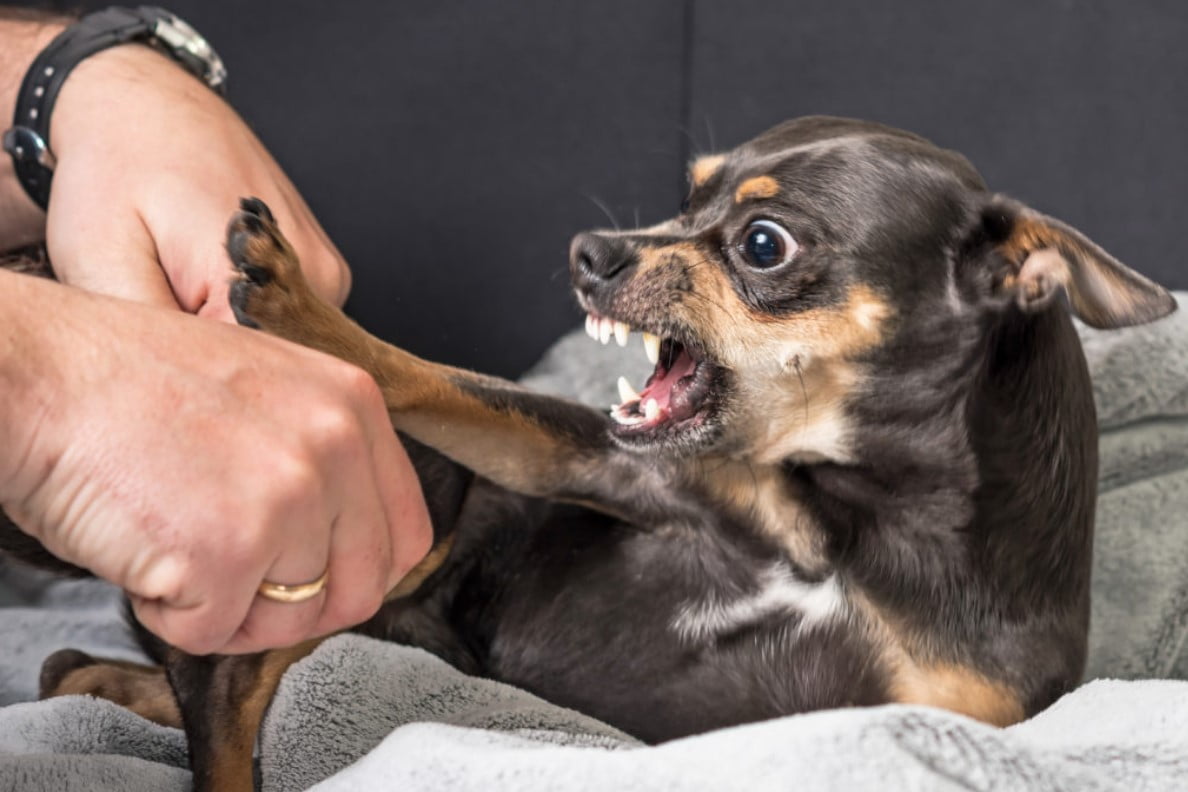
(975,487)
(1033,426)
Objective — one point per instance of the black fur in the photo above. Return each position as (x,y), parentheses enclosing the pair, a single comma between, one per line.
(966,512)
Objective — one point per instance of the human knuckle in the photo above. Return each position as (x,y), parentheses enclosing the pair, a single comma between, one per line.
(357,605)
(411,547)
(423,544)
(167,579)
(197,636)
(249,547)
(358,383)
(294,477)
(334,426)
(328,269)
(413,540)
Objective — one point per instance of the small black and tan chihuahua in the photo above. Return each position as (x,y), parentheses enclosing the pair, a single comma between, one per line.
(863,470)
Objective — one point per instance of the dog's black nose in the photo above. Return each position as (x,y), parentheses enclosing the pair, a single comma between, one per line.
(594,258)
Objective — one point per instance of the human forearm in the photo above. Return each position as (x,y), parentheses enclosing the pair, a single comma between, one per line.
(25,391)
(23,34)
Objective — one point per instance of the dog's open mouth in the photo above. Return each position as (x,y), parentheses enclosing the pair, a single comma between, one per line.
(682,392)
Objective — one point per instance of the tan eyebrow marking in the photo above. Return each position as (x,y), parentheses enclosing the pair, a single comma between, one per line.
(756,187)
(704,168)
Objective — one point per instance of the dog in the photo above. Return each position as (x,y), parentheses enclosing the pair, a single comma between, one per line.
(863,470)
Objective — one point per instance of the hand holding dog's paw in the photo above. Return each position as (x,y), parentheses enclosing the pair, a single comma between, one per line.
(138,209)
(187,461)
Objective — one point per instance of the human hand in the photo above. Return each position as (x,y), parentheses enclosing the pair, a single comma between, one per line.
(186,461)
(150,163)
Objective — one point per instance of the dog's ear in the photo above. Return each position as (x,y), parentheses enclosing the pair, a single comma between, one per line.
(1037,257)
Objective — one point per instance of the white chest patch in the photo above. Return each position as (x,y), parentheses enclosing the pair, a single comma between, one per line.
(781,592)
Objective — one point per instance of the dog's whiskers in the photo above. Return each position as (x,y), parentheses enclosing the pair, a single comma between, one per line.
(606,211)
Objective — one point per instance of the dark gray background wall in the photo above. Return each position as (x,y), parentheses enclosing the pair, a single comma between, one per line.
(452,147)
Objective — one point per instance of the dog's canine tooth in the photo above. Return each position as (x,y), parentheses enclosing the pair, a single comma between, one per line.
(605,328)
(622,331)
(591,326)
(651,410)
(626,392)
(652,348)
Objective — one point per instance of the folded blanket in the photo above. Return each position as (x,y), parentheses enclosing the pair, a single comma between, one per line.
(1140,573)
(1105,736)
(415,723)
(406,720)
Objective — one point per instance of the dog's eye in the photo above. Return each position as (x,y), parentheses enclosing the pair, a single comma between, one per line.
(766,244)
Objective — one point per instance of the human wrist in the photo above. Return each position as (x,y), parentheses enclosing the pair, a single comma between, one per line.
(25,34)
(82,47)
(99,86)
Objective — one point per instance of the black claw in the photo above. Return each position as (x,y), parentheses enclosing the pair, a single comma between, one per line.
(257,275)
(254,206)
(250,223)
(253,223)
(243,228)
(240,291)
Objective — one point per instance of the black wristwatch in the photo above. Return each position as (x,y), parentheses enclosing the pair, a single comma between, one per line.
(28,139)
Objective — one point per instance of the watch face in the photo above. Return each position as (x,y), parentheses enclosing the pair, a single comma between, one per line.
(194,50)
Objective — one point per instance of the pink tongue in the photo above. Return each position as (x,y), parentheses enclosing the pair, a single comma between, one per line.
(660,388)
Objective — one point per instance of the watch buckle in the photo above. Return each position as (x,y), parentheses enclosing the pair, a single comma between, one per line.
(26,145)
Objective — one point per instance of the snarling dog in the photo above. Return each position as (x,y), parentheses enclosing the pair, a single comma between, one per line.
(863,470)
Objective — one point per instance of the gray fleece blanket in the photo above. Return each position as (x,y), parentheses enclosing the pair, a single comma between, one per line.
(362,714)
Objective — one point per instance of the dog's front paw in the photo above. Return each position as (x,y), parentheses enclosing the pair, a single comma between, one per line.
(269,292)
(268,279)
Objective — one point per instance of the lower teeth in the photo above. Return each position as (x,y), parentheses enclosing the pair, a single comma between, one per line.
(623,418)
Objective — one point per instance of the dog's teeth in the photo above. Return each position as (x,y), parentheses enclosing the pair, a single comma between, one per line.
(651,410)
(626,392)
(605,328)
(623,418)
(591,326)
(652,348)
(621,332)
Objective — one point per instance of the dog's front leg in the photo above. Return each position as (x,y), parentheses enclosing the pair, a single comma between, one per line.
(530,443)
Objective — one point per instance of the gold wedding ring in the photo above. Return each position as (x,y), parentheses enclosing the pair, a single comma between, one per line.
(300,592)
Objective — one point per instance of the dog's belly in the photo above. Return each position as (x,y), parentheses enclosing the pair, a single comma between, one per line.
(661,633)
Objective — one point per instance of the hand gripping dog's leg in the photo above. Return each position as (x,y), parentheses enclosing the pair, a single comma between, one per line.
(529,443)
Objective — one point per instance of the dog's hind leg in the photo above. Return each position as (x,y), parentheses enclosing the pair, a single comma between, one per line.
(144,689)
(218,699)
(222,699)
(529,443)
